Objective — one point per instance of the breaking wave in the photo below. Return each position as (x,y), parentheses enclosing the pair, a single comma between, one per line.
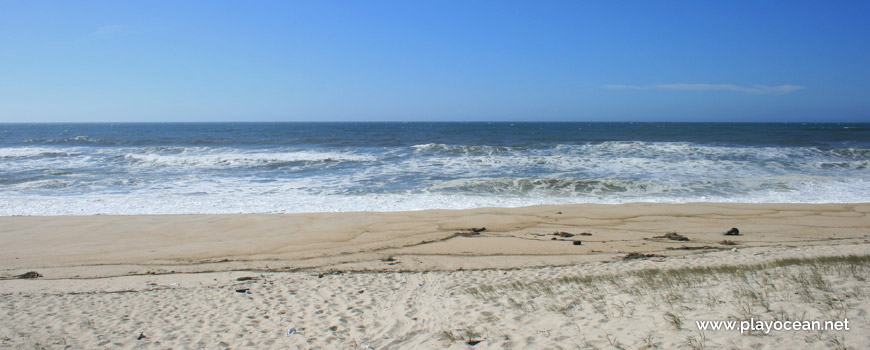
(210,169)
(209,158)
(466,150)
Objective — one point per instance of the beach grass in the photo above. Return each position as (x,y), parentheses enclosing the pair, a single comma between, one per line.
(652,279)
(792,289)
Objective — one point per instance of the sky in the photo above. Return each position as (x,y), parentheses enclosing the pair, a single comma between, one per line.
(444,60)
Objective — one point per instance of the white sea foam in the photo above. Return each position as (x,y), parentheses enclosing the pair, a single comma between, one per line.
(182,180)
(27,152)
(485,150)
(24,159)
(76,139)
(292,199)
(219,158)
(626,160)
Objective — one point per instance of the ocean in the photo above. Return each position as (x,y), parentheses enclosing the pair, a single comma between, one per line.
(199,168)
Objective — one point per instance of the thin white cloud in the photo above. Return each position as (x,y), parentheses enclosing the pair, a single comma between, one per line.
(749,89)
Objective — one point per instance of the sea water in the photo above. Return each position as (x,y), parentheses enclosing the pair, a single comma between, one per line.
(185,168)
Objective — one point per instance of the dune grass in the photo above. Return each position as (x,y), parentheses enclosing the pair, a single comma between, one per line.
(655,279)
(793,289)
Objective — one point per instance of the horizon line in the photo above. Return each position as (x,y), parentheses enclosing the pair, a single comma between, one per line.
(443,121)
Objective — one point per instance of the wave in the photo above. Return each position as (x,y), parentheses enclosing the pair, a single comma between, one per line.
(643,149)
(628,160)
(473,150)
(853,165)
(77,140)
(682,150)
(209,158)
(35,152)
(248,197)
(426,176)
(858,153)
(550,186)
(40,183)
(610,190)
(185,195)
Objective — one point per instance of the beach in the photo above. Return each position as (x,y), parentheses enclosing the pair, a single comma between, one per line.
(458,235)
(531,277)
(434,175)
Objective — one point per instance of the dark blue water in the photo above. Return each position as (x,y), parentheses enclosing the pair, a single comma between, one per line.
(300,167)
(408,134)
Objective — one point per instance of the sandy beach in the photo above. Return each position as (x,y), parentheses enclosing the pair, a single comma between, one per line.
(434,175)
(489,278)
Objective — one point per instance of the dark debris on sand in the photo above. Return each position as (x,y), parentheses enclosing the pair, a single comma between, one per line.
(470,231)
(673,236)
(29,275)
(633,256)
(705,247)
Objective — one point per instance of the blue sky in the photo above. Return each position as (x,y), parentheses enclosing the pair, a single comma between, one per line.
(66,61)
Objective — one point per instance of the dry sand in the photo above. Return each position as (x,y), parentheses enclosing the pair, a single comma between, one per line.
(391,280)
